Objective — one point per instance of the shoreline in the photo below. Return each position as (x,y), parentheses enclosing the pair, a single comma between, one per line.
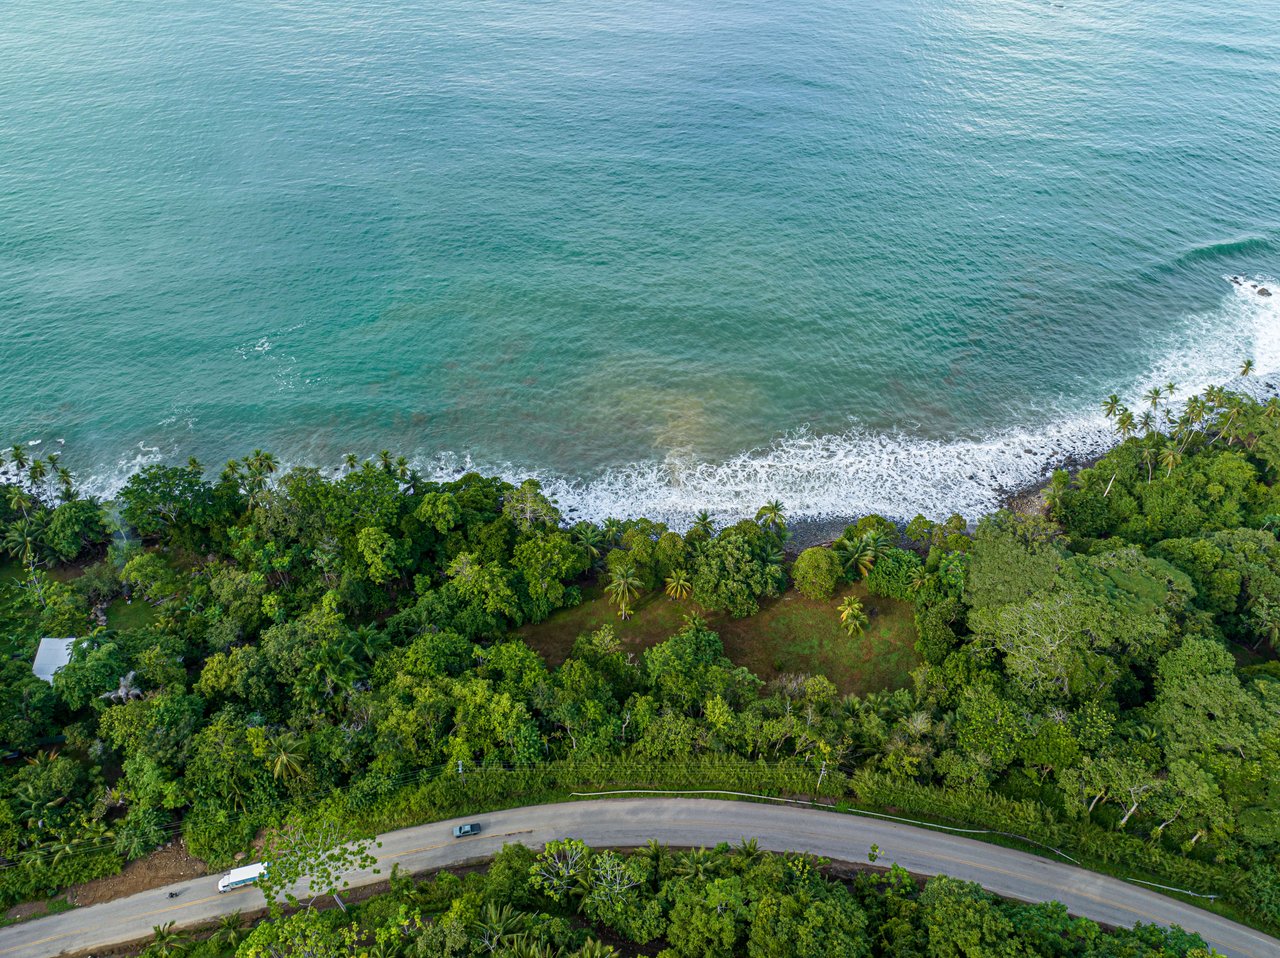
(1028,499)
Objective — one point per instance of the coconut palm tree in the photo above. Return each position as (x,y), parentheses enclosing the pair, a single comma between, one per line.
(1169,458)
(771,516)
(18,456)
(1153,396)
(678,584)
(853,617)
(1111,405)
(37,471)
(656,854)
(588,537)
(19,501)
(877,544)
(703,525)
(624,585)
(853,556)
(1246,367)
(24,539)
(166,942)
(612,530)
(497,925)
(127,690)
(385,460)
(594,948)
(351,462)
(230,931)
(286,755)
(1124,423)
(66,483)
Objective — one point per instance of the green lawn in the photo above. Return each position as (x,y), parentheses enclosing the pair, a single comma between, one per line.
(790,634)
(122,615)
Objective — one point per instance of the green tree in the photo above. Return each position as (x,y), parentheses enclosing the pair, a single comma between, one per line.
(816,573)
(312,851)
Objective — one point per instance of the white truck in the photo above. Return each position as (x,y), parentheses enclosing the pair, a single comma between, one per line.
(239,877)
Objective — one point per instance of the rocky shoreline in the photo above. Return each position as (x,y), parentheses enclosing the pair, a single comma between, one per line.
(1028,500)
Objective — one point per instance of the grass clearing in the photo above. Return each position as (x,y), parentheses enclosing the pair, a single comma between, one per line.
(788,634)
(122,615)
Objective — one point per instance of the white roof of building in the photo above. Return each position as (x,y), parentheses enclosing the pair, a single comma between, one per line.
(52,655)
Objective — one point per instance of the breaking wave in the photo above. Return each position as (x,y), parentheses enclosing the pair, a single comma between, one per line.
(898,474)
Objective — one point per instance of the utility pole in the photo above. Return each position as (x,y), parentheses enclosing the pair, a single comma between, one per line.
(822,773)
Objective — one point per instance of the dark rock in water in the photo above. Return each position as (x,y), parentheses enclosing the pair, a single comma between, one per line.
(1237,280)
(1263,291)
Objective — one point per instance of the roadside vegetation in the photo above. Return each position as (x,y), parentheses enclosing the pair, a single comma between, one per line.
(366,646)
(571,901)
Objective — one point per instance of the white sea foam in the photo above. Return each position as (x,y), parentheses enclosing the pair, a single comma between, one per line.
(900,474)
(860,471)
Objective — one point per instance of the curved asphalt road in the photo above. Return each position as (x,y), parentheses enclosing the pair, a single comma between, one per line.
(677,822)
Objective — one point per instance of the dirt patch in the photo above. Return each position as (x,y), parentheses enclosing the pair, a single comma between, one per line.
(166,865)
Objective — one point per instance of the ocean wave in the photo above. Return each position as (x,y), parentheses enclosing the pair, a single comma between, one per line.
(900,474)
(1224,249)
(860,471)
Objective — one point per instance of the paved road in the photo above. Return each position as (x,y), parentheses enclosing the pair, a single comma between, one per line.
(673,821)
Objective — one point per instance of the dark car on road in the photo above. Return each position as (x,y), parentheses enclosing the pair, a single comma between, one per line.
(462,831)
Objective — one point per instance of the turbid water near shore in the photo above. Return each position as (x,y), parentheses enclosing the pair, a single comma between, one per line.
(668,256)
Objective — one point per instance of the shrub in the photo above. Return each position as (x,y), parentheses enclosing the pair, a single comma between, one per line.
(816,572)
(894,574)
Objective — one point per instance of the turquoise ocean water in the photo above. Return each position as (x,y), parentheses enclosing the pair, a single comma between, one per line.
(886,254)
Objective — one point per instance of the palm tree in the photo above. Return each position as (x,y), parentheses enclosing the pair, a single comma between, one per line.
(67,483)
(351,461)
(1111,405)
(678,584)
(856,555)
(24,539)
(385,460)
(126,691)
(18,456)
(624,585)
(749,849)
(286,755)
(770,516)
(588,537)
(703,525)
(1148,458)
(852,616)
(1246,367)
(402,468)
(1124,424)
(612,530)
(230,931)
(1169,458)
(497,925)
(19,501)
(37,471)
(656,854)
(594,948)
(877,544)
(166,941)
(1146,422)
(698,865)
(1153,396)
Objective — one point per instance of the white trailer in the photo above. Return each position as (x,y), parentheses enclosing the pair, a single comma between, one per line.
(239,877)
